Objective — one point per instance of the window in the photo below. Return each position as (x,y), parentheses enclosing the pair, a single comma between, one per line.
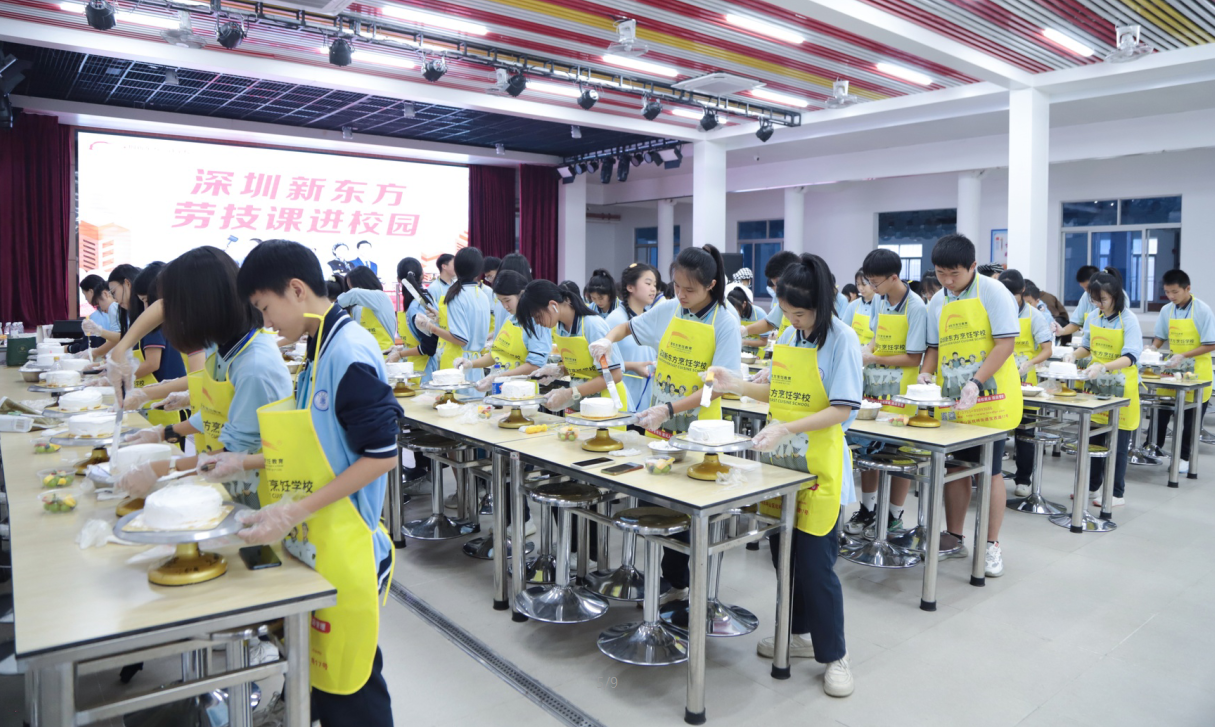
(912,255)
(758,241)
(913,234)
(645,245)
(1140,238)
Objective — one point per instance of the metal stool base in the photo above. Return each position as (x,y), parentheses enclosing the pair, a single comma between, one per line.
(881,554)
(1089,525)
(561,604)
(723,621)
(915,541)
(1036,505)
(438,527)
(626,583)
(483,548)
(1142,458)
(644,644)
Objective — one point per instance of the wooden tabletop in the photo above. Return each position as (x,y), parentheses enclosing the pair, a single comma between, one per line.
(1185,384)
(1081,401)
(419,409)
(66,596)
(950,436)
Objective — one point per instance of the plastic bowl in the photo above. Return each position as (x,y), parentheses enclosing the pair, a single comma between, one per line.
(59,501)
(659,465)
(448,410)
(662,449)
(56,477)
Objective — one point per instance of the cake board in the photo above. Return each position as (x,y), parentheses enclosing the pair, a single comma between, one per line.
(401,387)
(189,565)
(926,421)
(711,466)
(449,391)
(515,420)
(602,441)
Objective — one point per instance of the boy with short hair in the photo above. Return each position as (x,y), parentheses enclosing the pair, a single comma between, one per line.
(447,275)
(1189,327)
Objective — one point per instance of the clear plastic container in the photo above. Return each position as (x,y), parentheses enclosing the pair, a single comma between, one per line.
(10,423)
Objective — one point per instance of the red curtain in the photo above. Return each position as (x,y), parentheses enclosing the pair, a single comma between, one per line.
(538,219)
(491,209)
(35,221)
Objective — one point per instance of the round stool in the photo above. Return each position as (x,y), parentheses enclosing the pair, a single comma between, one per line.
(878,552)
(1035,503)
(562,602)
(1088,523)
(723,619)
(648,642)
(626,583)
(438,526)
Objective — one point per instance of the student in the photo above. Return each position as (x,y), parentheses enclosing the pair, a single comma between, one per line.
(516,352)
(1187,324)
(243,372)
(983,325)
(447,273)
(1112,336)
(1085,306)
(691,334)
(97,293)
(416,347)
(572,287)
(850,292)
(119,283)
(897,333)
(775,321)
(929,285)
(463,321)
(742,280)
(370,306)
(159,360)
(813,397)
(489,269)
(746,311)
(638,290)
(1033,346)
(338,438)
(841,301)
(600,292)
(363,248)
(513,262)
(859,310)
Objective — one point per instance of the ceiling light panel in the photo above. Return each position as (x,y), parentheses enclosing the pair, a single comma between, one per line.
(758,26)
(439,21)
(640,65)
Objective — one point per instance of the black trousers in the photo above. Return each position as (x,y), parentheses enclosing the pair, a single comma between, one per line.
(1096,470)
(818,599)
(1187,428)
(370,706)
(1024,458)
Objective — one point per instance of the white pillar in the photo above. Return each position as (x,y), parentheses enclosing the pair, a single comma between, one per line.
(709,195)
(666,236)
(970,191)
(795,219)
(1028,176)
(571,231)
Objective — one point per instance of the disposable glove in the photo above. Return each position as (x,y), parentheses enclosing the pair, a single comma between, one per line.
(770,436)
(221,466)
(151,435)
(271,523)
(969,397)
(653,418)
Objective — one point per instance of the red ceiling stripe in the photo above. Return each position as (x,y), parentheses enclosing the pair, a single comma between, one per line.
(1082,17)
(1001,17)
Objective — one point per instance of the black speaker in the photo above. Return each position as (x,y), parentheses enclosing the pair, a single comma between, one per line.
(67,329)
(734,262)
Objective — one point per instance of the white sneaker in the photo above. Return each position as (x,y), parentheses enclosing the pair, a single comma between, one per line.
(837,681)
(675,594)
(1022,491)
(994,562)
(1184,467)
(262,652)
(450,502)
(1117,501)
(798,647)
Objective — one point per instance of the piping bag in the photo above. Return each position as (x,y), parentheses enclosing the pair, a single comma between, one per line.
(706,392)
(611,385)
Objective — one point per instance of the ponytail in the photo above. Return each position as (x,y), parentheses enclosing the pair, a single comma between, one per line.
(738,298)
(807,284)
(468,267)
(1112,271)
(707,267)
(410,269)
(536,297)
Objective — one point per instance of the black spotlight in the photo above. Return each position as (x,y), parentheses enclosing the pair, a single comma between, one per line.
(100,14)
(605,171)
(622,169)
(340,53)
(516,85)
(765,130)
(587,98)
(434,69)
(708,122)
(650,109)
(637,159)
(230,34)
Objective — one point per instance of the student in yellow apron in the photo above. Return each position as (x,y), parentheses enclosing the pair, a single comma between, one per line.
(463,323)
(897,326)
(515,351)
(813,396)
(600,292)
(326,455)
(416,347)
(1189,326)
(972,331)
(1033,346)
(775,321)
(859,311)
(638,289)
(1113,337)
(370,306)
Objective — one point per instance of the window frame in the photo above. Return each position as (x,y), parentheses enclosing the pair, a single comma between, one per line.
(759,284)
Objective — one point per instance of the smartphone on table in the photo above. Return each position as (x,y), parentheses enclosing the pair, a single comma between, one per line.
(257,557)
(593,462)
(620,469)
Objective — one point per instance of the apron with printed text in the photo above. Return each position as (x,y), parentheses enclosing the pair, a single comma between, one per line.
(576,358)
(883,383)
(509,349)
(212,398)
(1183,337)
(685,351)
(1106,346)
(383,338)
(965,342)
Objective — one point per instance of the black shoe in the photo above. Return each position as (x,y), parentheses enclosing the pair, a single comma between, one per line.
(861,519)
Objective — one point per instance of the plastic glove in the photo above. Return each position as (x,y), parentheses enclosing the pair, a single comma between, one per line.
(1174,361)
(86,354)
(1149,347)
(138,482)
(1069,358)
(547,371)
(1025,368)
(90,327)
(461,363)
(151,435)
(221,466)
(969,397)
(558,399)
(770,436)
(653,418)
(926,379)
(485,384)
(600,348)
(763,376)
(1094,371)
(175,401)
(725,380)
(422,323)
(1055,328)
(651,368)
(121,372)
(869,357)
(135,399)
(394,355)
(271,523)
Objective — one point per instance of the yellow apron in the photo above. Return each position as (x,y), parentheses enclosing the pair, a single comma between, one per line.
(797,392)
(784,323)
(155,416)
(685,351)
(408,340)
(1106,345)
(383,338)
(576,358)
(509,349)
(880,381)
(1183,336)
(490,295)
(966,340)
(860,325)
(1024,349)
(335,542)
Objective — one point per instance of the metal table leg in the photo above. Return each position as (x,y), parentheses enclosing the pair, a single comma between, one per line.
(1107,483)
(698,563)
(517,555)
(928,594)
(297,687)
(393,503)
(978,568)
(1079,520)
(57,695)
(1178,428)
(1195,435)
(498,492)
(784,587)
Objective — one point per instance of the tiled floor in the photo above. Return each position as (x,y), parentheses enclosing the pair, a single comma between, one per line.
(1095,629)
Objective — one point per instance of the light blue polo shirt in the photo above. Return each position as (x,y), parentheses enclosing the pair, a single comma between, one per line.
(1000,305)
(1197,310)
(916,310)
(468,320)
(1132,338)
(259,377)
(631,352)
(775,315)
(1085,306)
(841,302)
(650,326)
(437,290)
(356,299)
(1039,328)
(107,319)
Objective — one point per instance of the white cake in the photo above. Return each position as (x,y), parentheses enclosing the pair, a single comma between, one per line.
(448,377)
(518,389)
(924,392)
(100,424)
(80,400)
(1061,351)
(400,368)
(1151,358)
(179,506)
(1063,370)
(712,431)
(597,407)
(61,378)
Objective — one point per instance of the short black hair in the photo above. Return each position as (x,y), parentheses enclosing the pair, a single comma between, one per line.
(849,289)
(201,305)
(1177,277)
(517,262)
(1013,280)
(882,262)
(362,277)
(915,286)
(1104,283)
(1085,272)
(332,290)
(272,265)
(90,283)
(444,259)
(490,263)
(1031,290)
(361,243)
(953,251)
(777,264)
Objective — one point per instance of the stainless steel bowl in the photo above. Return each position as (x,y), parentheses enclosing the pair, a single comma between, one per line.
(30,377)
(867,414)
(662,449)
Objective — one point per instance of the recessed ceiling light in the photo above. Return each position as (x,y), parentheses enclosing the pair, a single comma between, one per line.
(1068,42)
(556,89)
(904,73)
(639,65)
(780,98)
(439,21)
(768,29)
